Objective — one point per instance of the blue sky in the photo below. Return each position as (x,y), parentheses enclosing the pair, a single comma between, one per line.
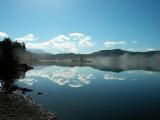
(82,26)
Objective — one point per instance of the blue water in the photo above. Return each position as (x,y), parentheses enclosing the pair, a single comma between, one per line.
(84,93)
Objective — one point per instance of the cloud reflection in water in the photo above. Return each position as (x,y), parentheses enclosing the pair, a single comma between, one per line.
(28,81)
(71,77)
(112,77)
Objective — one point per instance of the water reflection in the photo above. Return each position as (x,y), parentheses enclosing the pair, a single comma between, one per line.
(71,77)
(112,77)
(10,71)
(28,81)
(9,77)
(110,64)
(101,92)
(76,77)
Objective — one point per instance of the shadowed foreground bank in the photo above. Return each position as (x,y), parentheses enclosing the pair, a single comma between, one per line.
(16,107)
(13,104)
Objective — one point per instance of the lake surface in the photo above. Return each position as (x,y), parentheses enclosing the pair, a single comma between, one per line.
(85,93)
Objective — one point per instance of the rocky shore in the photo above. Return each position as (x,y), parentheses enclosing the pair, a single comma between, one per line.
(18,107)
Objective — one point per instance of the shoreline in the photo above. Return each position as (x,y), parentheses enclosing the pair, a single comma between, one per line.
(20,107)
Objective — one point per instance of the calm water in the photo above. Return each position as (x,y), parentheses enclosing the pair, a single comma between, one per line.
(84,93)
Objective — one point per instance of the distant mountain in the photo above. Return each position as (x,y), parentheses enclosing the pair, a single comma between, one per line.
(40,55)
(37,55)
(122,52)
(112,60)
(108,60)
(110,52)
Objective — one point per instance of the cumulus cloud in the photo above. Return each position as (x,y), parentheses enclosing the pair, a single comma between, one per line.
(3,35)
(69,43)
(72,42)
(61,42)
(131,49)
(83,40)
(150,49)
(27,38)
(111,44)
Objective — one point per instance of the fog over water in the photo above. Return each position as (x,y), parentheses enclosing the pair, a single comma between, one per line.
(94,94)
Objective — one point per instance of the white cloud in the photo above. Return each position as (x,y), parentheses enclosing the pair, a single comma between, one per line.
(3,35)
(111,44)
(70,43)
(111,77)
(78,35)
(83,40)
(131,49)
(27,38)
(61,42)
(150,49)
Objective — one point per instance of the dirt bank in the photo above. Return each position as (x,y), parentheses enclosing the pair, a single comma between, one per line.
(18,107)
